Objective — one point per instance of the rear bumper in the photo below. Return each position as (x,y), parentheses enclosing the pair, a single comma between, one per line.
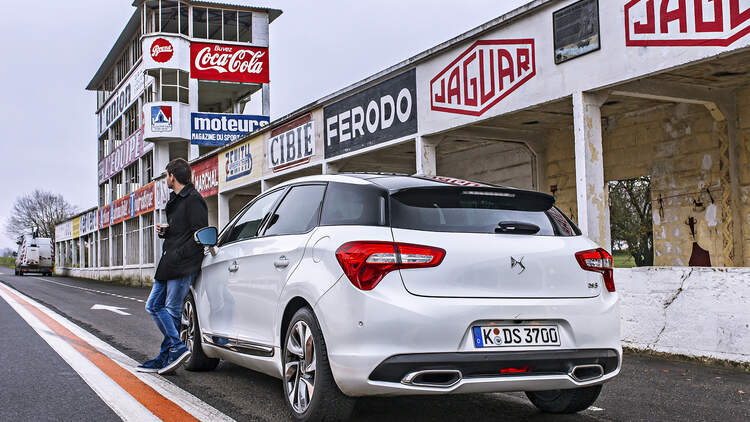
(375,337)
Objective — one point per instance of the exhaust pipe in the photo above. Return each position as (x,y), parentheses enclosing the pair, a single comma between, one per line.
(436,378)
(582,373)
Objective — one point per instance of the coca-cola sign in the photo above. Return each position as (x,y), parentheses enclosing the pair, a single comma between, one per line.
(161,50)
(716,23)
(481,76)
(225,62)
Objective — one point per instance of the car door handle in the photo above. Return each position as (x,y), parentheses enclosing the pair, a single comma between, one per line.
(234,267)
(282,262)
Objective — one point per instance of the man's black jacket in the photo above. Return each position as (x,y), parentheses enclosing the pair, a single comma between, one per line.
(181,255)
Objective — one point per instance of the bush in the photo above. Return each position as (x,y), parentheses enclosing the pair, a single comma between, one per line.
(8,261)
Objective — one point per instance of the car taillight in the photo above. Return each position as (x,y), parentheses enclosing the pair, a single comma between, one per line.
(600,261)
(366,263)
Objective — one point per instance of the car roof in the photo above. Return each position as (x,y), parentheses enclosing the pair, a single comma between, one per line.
(391,181)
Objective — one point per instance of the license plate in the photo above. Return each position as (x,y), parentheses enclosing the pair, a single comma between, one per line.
(516,335)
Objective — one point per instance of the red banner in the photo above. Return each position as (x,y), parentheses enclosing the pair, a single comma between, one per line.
(143,200)
(224,62)
(104,216)
(121,209)
(206,176)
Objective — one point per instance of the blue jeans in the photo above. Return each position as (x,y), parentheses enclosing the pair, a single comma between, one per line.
(164,304)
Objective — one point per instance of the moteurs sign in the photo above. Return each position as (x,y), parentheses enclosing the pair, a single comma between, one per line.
(716,23)
(291,144)
(224,62)
(484,74)
(378,114)
(221,129)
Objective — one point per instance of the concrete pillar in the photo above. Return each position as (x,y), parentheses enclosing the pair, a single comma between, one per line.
(265,185)
(193,152)
(331,168)
(591,193)
(223,209)
(729,108)
(161,158)
(426,152)
(266,93)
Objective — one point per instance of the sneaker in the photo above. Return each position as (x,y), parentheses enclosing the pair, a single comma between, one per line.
(176,358)
(152,365)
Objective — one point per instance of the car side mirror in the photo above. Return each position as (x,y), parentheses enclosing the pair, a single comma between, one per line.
(207,236)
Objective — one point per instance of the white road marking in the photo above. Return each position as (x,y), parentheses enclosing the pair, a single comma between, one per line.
(90,290)
(117,398)
(595,409)
(115,309)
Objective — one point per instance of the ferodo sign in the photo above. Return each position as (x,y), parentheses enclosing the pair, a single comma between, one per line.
(224,62)
(481,76)
(716,23)
(378,114)
(291,144)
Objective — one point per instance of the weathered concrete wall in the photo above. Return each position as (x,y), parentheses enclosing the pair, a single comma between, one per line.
(497,162)
(138,277)
(700,312)
(743,107)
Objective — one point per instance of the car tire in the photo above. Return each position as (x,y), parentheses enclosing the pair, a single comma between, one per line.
(565,401)
(20,273)
(327,402)
(190,336)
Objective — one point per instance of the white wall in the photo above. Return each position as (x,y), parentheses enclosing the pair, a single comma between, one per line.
(690,311)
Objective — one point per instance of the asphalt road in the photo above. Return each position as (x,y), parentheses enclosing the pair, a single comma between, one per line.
(648,388)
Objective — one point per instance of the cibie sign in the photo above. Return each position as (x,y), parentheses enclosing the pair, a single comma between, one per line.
(224,62)
(716,23)
(481,76)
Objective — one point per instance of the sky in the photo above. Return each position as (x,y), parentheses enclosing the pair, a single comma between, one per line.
(52,51)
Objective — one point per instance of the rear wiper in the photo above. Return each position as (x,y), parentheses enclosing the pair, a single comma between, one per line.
(516,227)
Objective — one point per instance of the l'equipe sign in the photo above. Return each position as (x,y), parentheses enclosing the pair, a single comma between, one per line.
(225,62)
(128,152)
(291,144)
(481,76)
(221,129)
(378,114)
(686,23)
(206,176)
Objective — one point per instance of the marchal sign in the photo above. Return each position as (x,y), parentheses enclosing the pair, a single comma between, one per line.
(705,23)
(481,76)
(224,62)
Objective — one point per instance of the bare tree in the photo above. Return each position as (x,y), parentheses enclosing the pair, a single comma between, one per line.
(38,210)
(631,218)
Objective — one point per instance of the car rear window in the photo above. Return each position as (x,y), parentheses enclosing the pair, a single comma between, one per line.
(475,210)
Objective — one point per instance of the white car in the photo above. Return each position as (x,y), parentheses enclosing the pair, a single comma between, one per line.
(370,284)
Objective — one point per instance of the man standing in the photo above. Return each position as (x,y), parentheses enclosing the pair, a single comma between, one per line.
(179,265)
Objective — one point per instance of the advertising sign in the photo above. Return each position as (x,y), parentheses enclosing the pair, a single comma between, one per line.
(161,50)
(221,129)
(125,96)
(143,200)
(76,227)
(291,144)
(686,23)
(89,222)
(121,209)
(64,231)
(576,30)
(225,62)
(242,162)
(161,118)
(481,76)
(378,114)
(161,191)
(127,153)
(105,216)
(206,176)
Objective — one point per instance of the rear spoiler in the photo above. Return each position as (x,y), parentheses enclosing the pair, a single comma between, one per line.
(512,199)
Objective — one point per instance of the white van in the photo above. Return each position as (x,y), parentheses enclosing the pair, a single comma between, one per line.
(34,255)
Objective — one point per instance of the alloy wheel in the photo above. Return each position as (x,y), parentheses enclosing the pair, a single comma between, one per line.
(299,368)
(187,327)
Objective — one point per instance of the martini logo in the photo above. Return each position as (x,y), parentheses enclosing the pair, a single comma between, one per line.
(161,50)
(161,118)
(705,23)
(484,74)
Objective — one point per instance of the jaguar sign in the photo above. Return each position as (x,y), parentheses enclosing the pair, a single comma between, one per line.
(707,23)
(481,76)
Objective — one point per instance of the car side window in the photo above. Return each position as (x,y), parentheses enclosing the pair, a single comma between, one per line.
(298,212)
(248,224)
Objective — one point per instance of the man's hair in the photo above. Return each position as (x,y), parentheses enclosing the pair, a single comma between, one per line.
(180,169)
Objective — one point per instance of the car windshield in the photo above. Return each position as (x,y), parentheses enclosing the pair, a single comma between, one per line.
(479,211)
